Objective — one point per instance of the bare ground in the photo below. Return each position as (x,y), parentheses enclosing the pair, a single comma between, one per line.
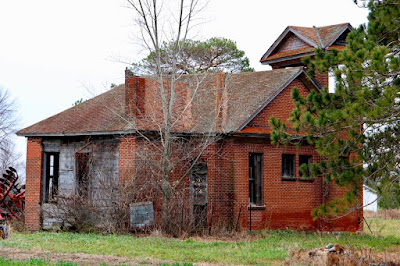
(78,258)
(299,257)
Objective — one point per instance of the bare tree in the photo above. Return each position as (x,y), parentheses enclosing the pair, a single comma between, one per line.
(161,21)
(175,123)
(8,124)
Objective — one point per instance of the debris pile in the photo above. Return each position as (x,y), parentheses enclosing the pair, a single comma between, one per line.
(335,254)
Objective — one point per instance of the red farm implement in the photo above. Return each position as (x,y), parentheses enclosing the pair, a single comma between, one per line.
(12,200)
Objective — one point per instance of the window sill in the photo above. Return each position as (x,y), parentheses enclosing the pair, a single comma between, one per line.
(306,179)
(256,207)
(289,178)
(53,202)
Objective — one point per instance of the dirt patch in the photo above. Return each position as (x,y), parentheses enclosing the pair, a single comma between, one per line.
(78,258)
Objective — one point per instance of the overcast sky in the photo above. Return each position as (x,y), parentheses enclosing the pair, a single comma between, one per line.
(53,52)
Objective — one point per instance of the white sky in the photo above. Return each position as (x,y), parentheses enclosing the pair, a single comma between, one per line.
(52,52)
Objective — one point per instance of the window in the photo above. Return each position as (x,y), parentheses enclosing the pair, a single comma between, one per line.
(198,183)
(255,178)
(307,160)
(288,166)
(83,161)
(198,193)
(51,176)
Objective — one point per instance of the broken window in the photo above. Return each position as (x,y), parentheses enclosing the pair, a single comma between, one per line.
(288,166)
(255,178)
(305,160)
(83,161)
(198,193)
(51,175)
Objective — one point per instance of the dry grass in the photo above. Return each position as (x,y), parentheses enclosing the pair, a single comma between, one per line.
(223,247)
(393,214)
(383,228)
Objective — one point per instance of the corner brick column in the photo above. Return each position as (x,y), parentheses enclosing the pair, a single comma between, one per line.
(34,161)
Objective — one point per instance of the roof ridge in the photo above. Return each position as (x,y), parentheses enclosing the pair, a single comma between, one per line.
(343,24)
(330,25)
(319,37)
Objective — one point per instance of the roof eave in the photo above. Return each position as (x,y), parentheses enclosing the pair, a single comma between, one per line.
(285,58)
(74,134)
(275,44)
(104,133)
(316,83)
(282,36)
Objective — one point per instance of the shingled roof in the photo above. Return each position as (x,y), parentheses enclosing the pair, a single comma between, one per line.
(250,92)
(234,98)
(103,113)
(311,38)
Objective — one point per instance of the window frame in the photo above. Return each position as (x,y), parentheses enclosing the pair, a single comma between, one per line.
(309,161)
(256,186)
(51,174)
(284,167)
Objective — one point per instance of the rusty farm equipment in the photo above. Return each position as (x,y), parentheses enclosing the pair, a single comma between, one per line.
(12,200)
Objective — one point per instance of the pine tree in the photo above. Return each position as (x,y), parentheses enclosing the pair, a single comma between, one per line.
(356,129)
(212,55)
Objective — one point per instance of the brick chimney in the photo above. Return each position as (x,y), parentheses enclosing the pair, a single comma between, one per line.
(135,93)
(221,100)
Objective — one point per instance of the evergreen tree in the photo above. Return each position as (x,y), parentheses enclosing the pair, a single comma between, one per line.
(212,55)
(356,129)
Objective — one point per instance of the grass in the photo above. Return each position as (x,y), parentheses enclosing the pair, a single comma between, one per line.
(382,227)
(266,246)
(33,262)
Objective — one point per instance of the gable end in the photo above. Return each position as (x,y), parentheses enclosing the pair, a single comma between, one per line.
(291,42)
(270,99)
(301,76)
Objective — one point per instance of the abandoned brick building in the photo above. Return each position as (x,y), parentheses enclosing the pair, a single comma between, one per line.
(257,174)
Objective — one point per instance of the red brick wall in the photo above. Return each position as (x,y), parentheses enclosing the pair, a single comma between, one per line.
(351,222)
(280,107)
(286,204)
(322,78)
(220,184)
(126,155)
(34,160)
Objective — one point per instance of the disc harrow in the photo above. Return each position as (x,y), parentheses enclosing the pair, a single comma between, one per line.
(12,200)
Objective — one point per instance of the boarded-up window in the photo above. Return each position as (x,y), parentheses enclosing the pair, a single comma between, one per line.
(288,166)
(255,178)
(51,175)
(305,160)
(83,162)
(198,182)
(198,193)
